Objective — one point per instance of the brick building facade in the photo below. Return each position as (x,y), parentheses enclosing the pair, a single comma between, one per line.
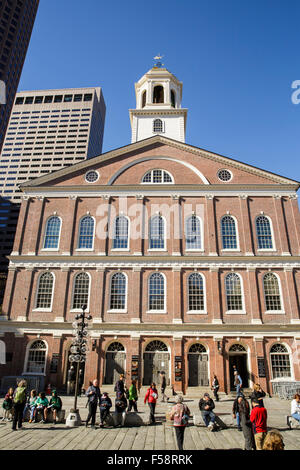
(188,262)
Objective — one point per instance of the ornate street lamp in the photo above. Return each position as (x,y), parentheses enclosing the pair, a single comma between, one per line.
(78,349)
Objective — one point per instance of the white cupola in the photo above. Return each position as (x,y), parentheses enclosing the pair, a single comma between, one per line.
(158,106)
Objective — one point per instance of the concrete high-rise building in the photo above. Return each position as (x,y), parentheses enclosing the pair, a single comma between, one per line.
(16,22)
(47,130)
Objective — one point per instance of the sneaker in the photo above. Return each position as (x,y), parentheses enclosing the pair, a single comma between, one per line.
(210,427)
(239,428)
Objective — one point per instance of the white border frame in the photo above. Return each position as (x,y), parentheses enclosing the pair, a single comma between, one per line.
(195,250)
(237,249)
(289,353)
(45,232)
(79,310)
(273,312)
(151,171)
(165,248)
(120,310)
(197,312)
(114,232)
(155,312)
(235,312)
(89,171)
(40,309)
(78,233)
(260,250)
(27,354)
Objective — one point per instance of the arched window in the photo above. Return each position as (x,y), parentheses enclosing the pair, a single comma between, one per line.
(52,233)
(280,361)
(193,233)
(237,348)
(156,292)
(144,99)
(120,236)
(86,233)
(173,99)
(36,359)
(157,233)
(264,233)
(156,346)
(81,291)
(157,177)
(116,346)
(45,291)
(228,233)
(158,94)
(157,126)
(197,348)
(196,292)
(272,292)
(233,291)
(118,291)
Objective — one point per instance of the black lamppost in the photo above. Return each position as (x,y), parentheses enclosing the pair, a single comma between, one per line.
(78,349)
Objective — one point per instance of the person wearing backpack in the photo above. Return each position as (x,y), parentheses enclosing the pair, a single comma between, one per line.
(19,402)
(151,396)
(180,414)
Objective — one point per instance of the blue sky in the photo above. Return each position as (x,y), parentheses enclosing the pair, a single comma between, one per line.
(236,59)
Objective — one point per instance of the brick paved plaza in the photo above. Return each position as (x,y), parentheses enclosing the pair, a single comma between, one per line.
(159,437)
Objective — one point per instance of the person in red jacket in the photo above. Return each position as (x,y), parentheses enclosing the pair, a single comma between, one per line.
(258,418)
(151,396)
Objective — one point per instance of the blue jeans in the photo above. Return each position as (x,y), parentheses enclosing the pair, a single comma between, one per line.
(296,416)
(238,420)
(208,416)
(31,408)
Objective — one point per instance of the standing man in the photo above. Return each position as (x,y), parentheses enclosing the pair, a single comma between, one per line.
(163,386)
(93,393)
(237,382)
(120,386)
(215,387)
(258,418)
(19,402)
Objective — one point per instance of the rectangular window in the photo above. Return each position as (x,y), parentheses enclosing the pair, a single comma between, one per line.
(38,99)
(88,97)
(78,98)
(20,100)
(48,99)
(58,99)
(68,98)
(29,100)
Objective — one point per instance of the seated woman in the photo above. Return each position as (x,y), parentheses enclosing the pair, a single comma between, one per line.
(105,406)
(55,404)
(30,405)
(41,407)
(295,407)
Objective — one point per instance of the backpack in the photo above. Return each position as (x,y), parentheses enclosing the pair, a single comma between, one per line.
(7,404)
(120,404)
(20,395)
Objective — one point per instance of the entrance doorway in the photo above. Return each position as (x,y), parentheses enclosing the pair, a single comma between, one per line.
(238,358)
(198,366)
(156,360)
(115,362)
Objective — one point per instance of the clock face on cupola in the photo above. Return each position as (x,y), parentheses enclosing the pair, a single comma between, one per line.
(158,106)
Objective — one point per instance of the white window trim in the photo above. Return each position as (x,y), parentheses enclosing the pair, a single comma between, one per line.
(164,310)
(25,365)
(195,312)
(37,309)
(237,249)
(78,234)
(114,232)
(153,169)
(121,310)
(45,232)
(191,250)
(272,234)
(77,310)
(91,182)
(289,353)
(165,234)
(282,310)
(238,312)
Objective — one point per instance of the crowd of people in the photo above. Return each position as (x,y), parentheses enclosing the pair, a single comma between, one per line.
(251,417)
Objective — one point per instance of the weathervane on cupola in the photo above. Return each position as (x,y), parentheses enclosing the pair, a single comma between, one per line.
(158,63)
